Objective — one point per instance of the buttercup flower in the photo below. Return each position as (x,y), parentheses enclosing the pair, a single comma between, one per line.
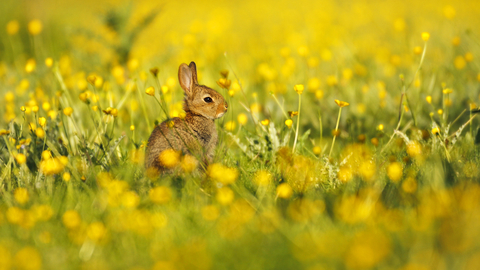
(341,104)
(299,88)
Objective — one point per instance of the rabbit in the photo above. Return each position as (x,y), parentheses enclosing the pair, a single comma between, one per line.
(196,133)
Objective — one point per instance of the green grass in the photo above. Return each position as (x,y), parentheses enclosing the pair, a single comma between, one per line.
(390,193)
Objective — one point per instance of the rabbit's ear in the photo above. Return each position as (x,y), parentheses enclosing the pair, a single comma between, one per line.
(185,77)
(193,68)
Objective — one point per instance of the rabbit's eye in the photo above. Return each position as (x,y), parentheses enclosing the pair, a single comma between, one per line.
(208,99)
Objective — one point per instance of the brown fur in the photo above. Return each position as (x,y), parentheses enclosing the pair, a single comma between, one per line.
(196,133)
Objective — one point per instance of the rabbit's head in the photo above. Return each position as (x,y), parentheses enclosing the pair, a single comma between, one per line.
(200,99)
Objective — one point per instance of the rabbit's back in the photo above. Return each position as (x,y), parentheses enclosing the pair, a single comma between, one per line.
(189,135)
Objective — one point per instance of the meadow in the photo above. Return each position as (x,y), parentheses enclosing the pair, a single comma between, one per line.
(351,139)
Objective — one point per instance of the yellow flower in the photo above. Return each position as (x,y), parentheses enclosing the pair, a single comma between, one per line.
(317,150)
(289,123)
(150,91)
(68,111)
(262,178)
(225,196)
(429,99)
(130,199)
(49,62)
(13,27)
(417,50)
(84,97)
(164,89)
(42,121)
(242,119)
(468,57)
(435,130)
(132,127)
(23,109)
(46,155)
(345,174)
(42,212)
(425,36)
(66,176)
(222,174)
(292,113)
(53,166)
(299,88)
(46,106)
(9,96)
(459,62)
(30,65)
(341,104)
(224,83)
(28,258)
(367,170)
(20,158)
(169,158)
(449,12)
(395,171)
(132,64)
(14,215)
(71,219)
(265,122)
(414,149)
(255,107)
(96,231)
(284,191)
(40,132)
(380,127)
(230,125)
(189,163)
(108,110)
(447,91)
(160,195)
(332,80)
(440,111)
(409,185)
(4,132)
(114,112)
(456,41)
(21,195)
(302,51)
(35,27)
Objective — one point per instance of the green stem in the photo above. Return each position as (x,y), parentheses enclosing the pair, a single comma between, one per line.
(321,127)
(144,109)
(276,100)
(163,104)
(298,122)
(398,125)
(336,129)
(66,135)
(9,150)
